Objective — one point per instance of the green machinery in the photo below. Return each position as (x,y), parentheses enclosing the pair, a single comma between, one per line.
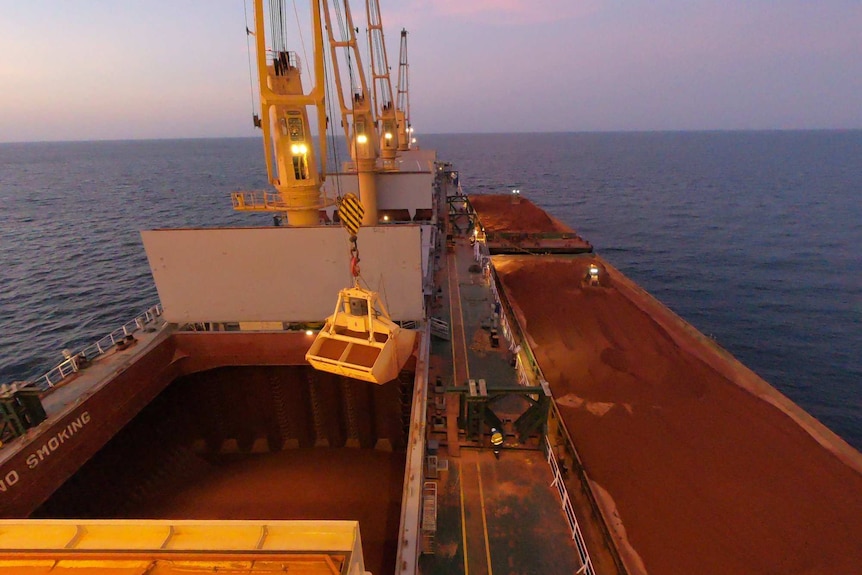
(20,409)
(480,404)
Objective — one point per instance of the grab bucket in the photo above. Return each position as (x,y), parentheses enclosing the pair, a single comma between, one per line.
(360,340)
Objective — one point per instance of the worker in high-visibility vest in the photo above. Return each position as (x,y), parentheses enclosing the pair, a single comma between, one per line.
(496,441)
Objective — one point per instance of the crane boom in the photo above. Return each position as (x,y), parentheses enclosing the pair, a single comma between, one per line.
(356,114)
(291,163)
(402,106)
(381,84)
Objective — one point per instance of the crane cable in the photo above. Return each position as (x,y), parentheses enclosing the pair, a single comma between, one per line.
(301,37)
(345,37)
(251,75)
(331,132)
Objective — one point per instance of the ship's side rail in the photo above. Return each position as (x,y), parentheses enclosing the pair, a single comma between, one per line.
(529,371)
(75,361)
(586,563)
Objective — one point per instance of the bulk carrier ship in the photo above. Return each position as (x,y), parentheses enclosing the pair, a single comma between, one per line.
(488,395)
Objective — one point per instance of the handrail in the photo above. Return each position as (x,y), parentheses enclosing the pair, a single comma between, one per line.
(72,363)
(257,200)
(571,518)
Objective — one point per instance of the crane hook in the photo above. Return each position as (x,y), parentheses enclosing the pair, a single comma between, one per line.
(354,257)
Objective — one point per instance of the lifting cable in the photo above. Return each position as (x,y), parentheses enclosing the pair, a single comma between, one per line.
(301,38)
(330,131)
(345,37)
(251,75)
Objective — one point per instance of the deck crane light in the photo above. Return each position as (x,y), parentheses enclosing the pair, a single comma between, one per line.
(361,139)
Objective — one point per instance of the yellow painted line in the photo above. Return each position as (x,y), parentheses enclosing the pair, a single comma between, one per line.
(463,518)
(484,520)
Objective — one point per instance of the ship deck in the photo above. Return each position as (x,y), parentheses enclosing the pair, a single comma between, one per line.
(494,515)
(696,464)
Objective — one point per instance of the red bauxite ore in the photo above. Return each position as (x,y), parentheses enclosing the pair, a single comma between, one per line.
(498,213)
(699,465)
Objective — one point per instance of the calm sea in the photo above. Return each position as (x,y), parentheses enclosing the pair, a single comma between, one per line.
(753,237)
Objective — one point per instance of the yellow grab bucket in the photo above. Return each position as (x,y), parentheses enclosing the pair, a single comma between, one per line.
(360,340)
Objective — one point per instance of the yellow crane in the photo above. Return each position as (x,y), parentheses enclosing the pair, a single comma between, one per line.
(359,339)
(291,163)
(382,86)
(402,107)
(357,117)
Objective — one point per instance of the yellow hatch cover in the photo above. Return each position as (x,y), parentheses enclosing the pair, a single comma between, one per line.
(30,547)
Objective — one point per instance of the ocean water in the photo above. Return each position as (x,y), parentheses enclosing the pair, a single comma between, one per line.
(753,237)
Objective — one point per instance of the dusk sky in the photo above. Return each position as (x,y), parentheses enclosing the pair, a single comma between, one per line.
(87,69)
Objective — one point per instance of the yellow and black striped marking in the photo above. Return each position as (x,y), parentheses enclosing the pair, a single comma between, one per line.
(351,211)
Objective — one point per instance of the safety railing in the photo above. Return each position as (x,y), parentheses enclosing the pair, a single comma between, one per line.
(583,554)
(529,373)
(74,362)
(257,200)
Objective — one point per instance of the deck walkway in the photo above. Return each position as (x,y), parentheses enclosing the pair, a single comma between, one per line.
(493,515)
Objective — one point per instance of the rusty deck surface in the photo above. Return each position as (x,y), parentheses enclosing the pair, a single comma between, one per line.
(495,516)
(698,465)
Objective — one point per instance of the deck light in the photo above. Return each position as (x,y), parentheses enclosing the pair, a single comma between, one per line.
(388,135)
(361,139)
(309,332)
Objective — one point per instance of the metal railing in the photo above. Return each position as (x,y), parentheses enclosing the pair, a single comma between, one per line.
(72,364)
(583,554)
(258,200)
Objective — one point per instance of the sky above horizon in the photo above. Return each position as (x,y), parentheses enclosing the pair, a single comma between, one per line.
(94,69)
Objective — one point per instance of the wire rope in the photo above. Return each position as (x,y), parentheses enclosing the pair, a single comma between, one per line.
(345,37)
(302,39)
(248,33)
(327,67)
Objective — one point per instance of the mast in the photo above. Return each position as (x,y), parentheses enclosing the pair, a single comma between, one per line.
(356,113)
(381,84)
(291,163)
(402,108)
